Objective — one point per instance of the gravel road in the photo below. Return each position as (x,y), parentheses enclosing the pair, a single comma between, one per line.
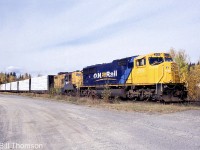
(52,125)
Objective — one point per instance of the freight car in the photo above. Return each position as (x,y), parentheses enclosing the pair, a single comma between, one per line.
(14,86)
(41,84)
(154,76)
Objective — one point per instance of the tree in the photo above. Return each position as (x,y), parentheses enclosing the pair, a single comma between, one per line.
(2,78)
(14,74)
(198,63)
(190,73)
(26,76)
(11,77)
(20,77)
(193,81)
(182,60)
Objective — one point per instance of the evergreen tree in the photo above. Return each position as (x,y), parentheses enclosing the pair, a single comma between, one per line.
(26,76)
(14,74)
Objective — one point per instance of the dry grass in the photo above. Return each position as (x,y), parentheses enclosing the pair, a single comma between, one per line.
(150,107)
(146,107)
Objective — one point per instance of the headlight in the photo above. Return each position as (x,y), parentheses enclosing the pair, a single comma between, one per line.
(167,67)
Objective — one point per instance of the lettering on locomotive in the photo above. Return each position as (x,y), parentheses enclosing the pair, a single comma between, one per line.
(105,74)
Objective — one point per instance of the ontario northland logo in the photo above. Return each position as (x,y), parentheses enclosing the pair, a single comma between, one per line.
(105,74)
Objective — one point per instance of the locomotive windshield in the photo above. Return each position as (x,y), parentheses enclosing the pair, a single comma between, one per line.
(155,60)
(168,59)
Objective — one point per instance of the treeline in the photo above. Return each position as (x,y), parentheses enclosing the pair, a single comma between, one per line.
(12,76)
(189,72)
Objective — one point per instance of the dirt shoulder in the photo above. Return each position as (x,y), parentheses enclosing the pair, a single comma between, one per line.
(57,124)
(138,106)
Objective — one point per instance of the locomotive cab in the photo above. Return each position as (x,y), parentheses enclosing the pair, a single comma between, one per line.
(73,81)
(155,68)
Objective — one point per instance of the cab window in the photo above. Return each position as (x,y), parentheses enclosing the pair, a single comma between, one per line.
(68,78)
(141,62)
(155,60)
(78,74)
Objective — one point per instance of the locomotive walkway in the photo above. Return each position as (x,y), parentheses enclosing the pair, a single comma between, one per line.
(52,125)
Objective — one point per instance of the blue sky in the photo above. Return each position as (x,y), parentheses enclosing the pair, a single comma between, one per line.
(48,36)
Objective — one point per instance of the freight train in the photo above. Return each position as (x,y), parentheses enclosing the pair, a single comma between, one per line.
(142,77)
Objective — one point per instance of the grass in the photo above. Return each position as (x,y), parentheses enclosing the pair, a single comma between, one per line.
(149,107)
(146,107)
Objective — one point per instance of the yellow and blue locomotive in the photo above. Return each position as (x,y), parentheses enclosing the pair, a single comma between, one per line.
(154,76)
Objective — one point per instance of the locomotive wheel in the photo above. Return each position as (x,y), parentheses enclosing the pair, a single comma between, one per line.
(84,93)
(129,95)
(168,97)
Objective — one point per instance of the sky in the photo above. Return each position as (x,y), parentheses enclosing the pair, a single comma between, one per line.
(51,36)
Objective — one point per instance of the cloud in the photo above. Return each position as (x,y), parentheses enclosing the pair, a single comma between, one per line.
(13,69)
(52,36)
